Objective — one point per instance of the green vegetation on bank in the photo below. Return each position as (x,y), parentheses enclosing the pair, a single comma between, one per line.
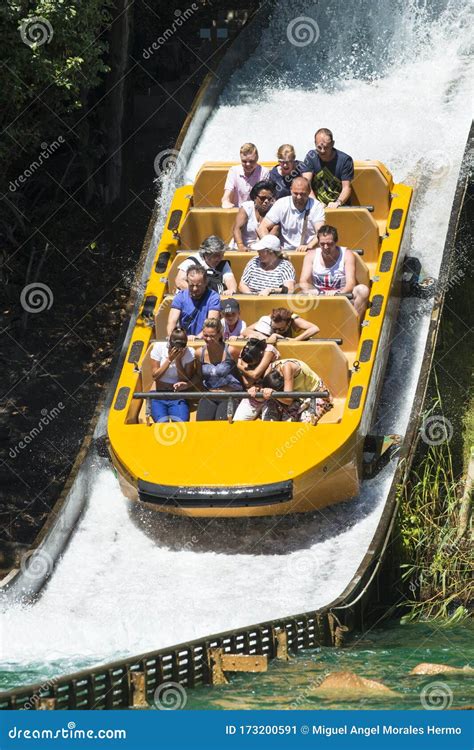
(436,501)
(439,551)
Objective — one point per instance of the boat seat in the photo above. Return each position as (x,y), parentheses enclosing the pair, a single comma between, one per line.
(370,187)
(239,260)
(323,357)
(202,222)
(356,227)
(335,316)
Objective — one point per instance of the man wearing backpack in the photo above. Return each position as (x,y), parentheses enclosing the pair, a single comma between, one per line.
(210,256)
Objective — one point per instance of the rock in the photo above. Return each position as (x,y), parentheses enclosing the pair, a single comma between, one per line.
(427,668)
(350,683)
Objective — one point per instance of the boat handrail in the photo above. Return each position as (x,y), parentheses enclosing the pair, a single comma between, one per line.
(228,394)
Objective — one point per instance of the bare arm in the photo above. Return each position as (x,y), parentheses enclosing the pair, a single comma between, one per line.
(173,319)
(240,223)
(230,283)
(315,242)
(266,227)
(349,270)
(228,199)
(180,281)
(306,278)
(251,376)
(244,288)
(288,377)
(157,370)
(290,285)
(343,196)
(307,329)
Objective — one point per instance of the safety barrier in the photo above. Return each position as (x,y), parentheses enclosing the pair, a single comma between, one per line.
(132,682)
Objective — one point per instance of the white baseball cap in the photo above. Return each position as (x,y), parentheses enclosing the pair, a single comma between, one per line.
(269,242)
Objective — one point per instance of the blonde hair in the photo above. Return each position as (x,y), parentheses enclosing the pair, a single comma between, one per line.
(286,151)
(248,148)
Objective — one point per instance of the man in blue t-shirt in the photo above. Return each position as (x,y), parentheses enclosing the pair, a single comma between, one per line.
(329,171)
(191,306)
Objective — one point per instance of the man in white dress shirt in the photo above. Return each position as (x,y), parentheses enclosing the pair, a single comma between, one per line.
(298,216)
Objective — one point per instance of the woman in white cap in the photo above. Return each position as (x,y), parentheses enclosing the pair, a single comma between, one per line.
(270,272)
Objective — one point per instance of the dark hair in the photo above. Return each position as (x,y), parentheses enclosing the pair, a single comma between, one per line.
(325,131)
(178,337)
(327,229)
(280,315)
(274,380)
(196,269)
(263,185)
(253,350)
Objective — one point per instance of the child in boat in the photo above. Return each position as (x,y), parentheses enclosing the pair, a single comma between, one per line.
(232,323)
(172,370)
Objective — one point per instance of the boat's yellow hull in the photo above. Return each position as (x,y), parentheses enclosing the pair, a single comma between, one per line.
(258,468)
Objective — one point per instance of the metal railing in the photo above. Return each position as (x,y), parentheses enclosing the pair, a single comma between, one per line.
(114,685)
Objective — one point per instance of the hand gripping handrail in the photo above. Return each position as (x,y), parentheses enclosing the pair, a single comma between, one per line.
(231,395)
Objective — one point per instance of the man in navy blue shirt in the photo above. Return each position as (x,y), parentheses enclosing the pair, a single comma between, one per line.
(329,171)
(191,306)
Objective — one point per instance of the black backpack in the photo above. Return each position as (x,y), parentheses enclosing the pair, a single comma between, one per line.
(215,276)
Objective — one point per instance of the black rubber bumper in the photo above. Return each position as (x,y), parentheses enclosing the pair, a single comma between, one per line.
(215,497)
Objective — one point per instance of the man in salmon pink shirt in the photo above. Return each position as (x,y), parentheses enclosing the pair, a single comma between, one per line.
(241,179)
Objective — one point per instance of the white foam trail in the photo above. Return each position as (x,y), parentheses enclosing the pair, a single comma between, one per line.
(118,590)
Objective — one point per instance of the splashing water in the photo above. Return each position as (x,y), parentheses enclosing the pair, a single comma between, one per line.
(392,82)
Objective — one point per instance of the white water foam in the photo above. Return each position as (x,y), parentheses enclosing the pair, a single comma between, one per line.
(128,584)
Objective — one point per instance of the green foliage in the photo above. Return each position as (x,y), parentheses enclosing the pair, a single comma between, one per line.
(439,571)
(45,78)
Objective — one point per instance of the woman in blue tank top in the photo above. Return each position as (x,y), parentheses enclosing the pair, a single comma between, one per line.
(216,365)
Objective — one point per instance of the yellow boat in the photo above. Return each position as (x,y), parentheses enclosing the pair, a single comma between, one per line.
(265,468)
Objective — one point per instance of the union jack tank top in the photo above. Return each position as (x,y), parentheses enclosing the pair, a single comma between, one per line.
(334,277)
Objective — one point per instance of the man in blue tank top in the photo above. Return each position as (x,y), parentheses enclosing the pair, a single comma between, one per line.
(329,171)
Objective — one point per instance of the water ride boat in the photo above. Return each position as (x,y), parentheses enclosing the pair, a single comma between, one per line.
(259,468)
